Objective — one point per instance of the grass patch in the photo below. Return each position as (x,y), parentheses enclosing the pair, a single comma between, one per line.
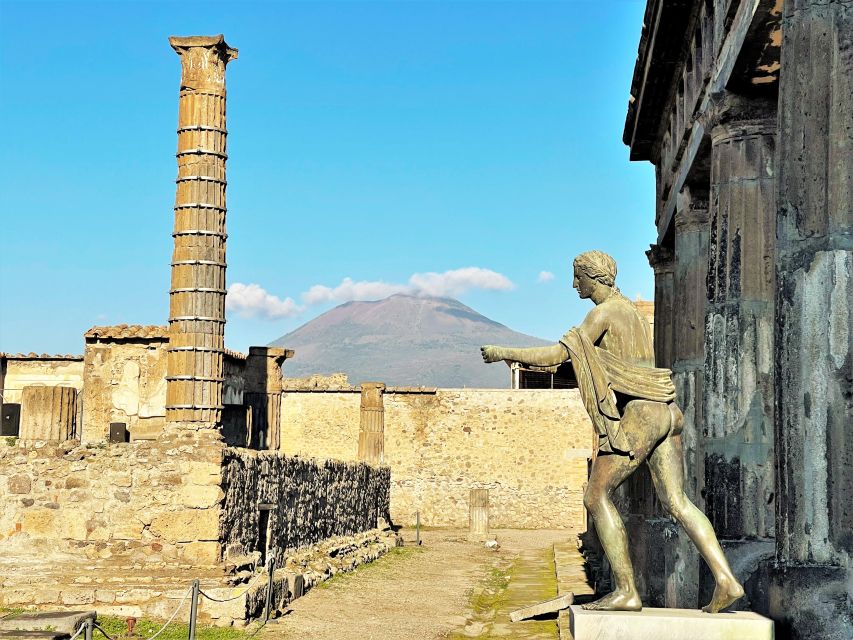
(116,627)
(493,592)
(384,565)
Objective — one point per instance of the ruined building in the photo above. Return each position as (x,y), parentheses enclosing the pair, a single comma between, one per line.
(745,108)
(145,464)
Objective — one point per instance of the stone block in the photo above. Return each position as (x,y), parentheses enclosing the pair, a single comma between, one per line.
(200,496)
(78,596)
(200,553)
(66,622)
(187,525)
(203,473)
(672,624)
(39,522)
(20,484)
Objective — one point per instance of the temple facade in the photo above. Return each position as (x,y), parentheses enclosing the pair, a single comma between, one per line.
(745,108)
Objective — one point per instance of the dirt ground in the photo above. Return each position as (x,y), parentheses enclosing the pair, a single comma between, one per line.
(449,587)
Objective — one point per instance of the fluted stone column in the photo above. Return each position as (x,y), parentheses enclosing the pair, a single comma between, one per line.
(263,396)
(689,303)
(48,413)
(692,235)
(812,576)
(662,261)
(371,435)
(197,296)
(738,385)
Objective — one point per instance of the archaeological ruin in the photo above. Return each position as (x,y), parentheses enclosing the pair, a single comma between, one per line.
(152,460)
(745,108)
(159,456)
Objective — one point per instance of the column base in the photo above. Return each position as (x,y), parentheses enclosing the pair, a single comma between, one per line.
(810,601)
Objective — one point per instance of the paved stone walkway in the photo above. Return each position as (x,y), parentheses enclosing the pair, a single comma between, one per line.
(449,588)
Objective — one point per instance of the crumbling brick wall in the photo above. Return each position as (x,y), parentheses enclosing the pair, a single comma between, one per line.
(312,500)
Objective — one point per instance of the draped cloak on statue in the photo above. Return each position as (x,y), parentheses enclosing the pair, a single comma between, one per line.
(601,375)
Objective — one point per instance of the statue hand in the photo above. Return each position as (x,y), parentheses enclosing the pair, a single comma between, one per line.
(491,353)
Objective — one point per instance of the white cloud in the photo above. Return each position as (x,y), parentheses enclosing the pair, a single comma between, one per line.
(250,300)
(545,276)
(350,290)
(448,283)
(457,281)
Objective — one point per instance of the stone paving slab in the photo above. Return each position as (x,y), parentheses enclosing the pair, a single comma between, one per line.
(672,624)
(571,578)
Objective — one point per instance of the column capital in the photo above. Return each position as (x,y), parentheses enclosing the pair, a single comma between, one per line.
(661,259)
(203,60)
(733,116)
(691,210)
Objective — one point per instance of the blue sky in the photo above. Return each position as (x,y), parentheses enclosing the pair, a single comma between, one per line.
(477,141)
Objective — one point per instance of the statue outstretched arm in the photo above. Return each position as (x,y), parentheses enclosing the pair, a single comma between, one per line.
(537,356)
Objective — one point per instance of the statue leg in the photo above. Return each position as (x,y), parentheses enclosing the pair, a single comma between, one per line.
(608,472)
(668,476)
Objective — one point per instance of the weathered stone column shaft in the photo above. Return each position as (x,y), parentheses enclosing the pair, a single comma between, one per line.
(738,382)
(371,435)
(197,296)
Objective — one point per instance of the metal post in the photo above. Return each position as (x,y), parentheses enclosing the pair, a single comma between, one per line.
(418,528)
(270,587)
(90,627)
(193,609)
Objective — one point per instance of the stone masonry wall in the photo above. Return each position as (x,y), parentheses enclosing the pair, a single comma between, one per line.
(528,447)
(22,373)
(125,382)
(312,501)
(151,503)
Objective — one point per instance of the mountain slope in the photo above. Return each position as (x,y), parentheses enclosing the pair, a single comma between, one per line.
(404,341)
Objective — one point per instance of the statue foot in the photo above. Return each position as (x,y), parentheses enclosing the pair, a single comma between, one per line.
(727,591)
(616,601)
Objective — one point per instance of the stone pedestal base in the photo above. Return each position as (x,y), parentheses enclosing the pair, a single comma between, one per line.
(672,624)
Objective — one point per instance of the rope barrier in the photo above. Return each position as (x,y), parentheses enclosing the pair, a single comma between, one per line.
(162,629)
(103,633)
(169,621)
(79,631)
(226,599)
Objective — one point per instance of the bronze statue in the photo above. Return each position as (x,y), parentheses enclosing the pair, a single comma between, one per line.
(631,404)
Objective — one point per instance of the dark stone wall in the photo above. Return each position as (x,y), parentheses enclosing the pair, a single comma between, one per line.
(313,500)
(810,583)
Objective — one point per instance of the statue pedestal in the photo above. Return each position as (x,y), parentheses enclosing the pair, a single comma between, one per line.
(672,624)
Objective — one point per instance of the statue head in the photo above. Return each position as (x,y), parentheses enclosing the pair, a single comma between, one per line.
(595,272)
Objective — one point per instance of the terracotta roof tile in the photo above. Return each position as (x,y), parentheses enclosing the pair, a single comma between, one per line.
(128,332)
(40,356)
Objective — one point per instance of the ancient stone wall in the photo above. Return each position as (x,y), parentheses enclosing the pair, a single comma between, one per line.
(528,447)
(155,503)
(308,501)
(23,372)
(125,382)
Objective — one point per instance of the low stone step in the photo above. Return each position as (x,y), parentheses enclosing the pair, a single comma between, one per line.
(62,622)
(32,635)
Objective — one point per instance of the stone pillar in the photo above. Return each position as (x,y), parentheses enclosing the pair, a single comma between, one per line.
(689,302)
(692,235)
(810,586)
(478,513)
(197,296)
(371,435)
(661,260)
(48,413)
(738,382)
(263,396)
